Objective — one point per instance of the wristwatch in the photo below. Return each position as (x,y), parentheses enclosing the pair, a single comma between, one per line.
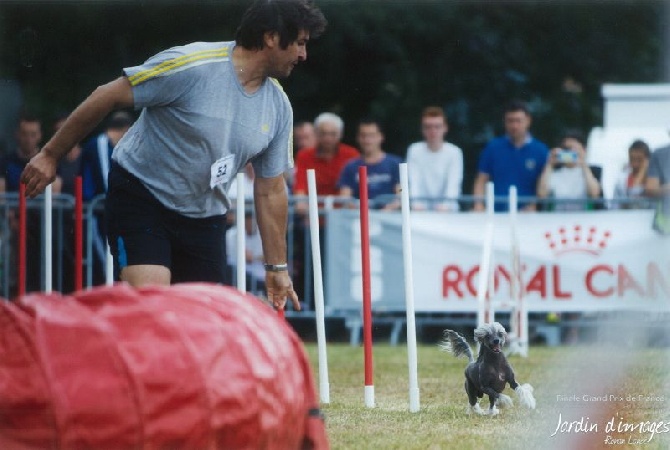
(276,267)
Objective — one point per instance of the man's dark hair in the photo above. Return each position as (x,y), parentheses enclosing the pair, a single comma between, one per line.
(577,135)
(371,121)
(29,116)
(516,106)
(285,17)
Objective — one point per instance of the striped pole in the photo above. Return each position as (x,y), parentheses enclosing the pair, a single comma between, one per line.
(367,297)
(412,363)
(324,385)
(485,311)
(519,318)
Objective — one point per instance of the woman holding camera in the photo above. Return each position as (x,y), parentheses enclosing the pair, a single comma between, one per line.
(567,177)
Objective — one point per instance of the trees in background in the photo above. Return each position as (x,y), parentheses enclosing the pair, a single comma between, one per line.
(385,58)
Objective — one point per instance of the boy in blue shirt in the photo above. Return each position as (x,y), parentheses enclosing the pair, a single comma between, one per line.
(383,170)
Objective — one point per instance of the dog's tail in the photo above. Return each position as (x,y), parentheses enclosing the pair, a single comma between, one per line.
(456,344)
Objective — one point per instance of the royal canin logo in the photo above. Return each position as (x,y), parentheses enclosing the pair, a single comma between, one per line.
(578,239)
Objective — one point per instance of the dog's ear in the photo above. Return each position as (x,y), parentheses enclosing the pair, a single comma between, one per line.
(480,333)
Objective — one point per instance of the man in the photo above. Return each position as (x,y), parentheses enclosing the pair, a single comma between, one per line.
(327,158)
(658,186)
(516,159)
(435,167)
(383,170)
(28,136)
(304,135)
(207,109)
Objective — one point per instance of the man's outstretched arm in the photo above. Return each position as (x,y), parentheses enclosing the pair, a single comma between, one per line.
(41,170)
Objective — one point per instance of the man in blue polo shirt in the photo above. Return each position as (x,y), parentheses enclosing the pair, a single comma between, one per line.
(515,159)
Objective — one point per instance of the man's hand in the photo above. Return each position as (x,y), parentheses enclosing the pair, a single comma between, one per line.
(39,173)
(280,288)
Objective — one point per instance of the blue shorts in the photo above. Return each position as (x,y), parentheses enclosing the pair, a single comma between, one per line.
(143,231)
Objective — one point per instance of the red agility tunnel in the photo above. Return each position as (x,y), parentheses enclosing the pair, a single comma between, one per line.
(191,366)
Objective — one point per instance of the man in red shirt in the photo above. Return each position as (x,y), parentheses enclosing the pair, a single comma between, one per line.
(327,158)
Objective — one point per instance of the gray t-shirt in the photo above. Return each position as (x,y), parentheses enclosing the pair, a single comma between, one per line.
(198,128)
(659,167)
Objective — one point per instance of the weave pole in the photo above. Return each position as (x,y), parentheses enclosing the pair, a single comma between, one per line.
(78,234)
(324,385)
(48,240)
(367,297)
(21,290)
(519,317)
(240,210)
(412,364)
(109,266)
(485,313)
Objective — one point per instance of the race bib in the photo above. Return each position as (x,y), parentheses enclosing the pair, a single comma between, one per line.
(222,171)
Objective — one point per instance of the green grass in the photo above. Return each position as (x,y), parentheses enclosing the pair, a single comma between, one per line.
(442,421)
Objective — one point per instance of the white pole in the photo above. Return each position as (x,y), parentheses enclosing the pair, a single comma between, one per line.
(324,385)
(48,234)
(519,318)
(109,266)
(484,312)
(414,403)
(240,209)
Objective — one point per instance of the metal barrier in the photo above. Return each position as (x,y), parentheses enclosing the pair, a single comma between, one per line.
(298,240)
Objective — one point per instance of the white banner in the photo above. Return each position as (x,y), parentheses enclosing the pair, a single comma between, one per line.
(582,261)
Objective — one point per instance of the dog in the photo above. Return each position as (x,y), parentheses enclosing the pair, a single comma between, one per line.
(490,372)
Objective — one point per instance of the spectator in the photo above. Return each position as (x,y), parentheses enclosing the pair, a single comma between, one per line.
(658,186)
(566,176)
(69,166)
(28,136)
(630,182)
(435,167)
(382,169)
(304,135)
(97,154)
(327,159)
(515,159)
(253,253)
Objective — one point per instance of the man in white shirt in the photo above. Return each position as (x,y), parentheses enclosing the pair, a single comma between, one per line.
(435,167)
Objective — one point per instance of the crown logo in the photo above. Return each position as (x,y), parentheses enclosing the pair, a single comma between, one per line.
(578,239)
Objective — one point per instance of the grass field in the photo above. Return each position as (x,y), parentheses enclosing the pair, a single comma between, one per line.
(594,384)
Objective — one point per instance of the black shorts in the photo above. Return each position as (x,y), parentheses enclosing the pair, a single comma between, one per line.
(142,231)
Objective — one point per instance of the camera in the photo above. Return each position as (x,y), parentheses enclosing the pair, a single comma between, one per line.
(565,156)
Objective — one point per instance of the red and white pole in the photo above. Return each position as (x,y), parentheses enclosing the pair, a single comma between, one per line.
(367,297)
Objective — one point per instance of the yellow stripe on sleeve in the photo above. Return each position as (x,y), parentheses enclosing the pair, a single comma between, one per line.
(175,63)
